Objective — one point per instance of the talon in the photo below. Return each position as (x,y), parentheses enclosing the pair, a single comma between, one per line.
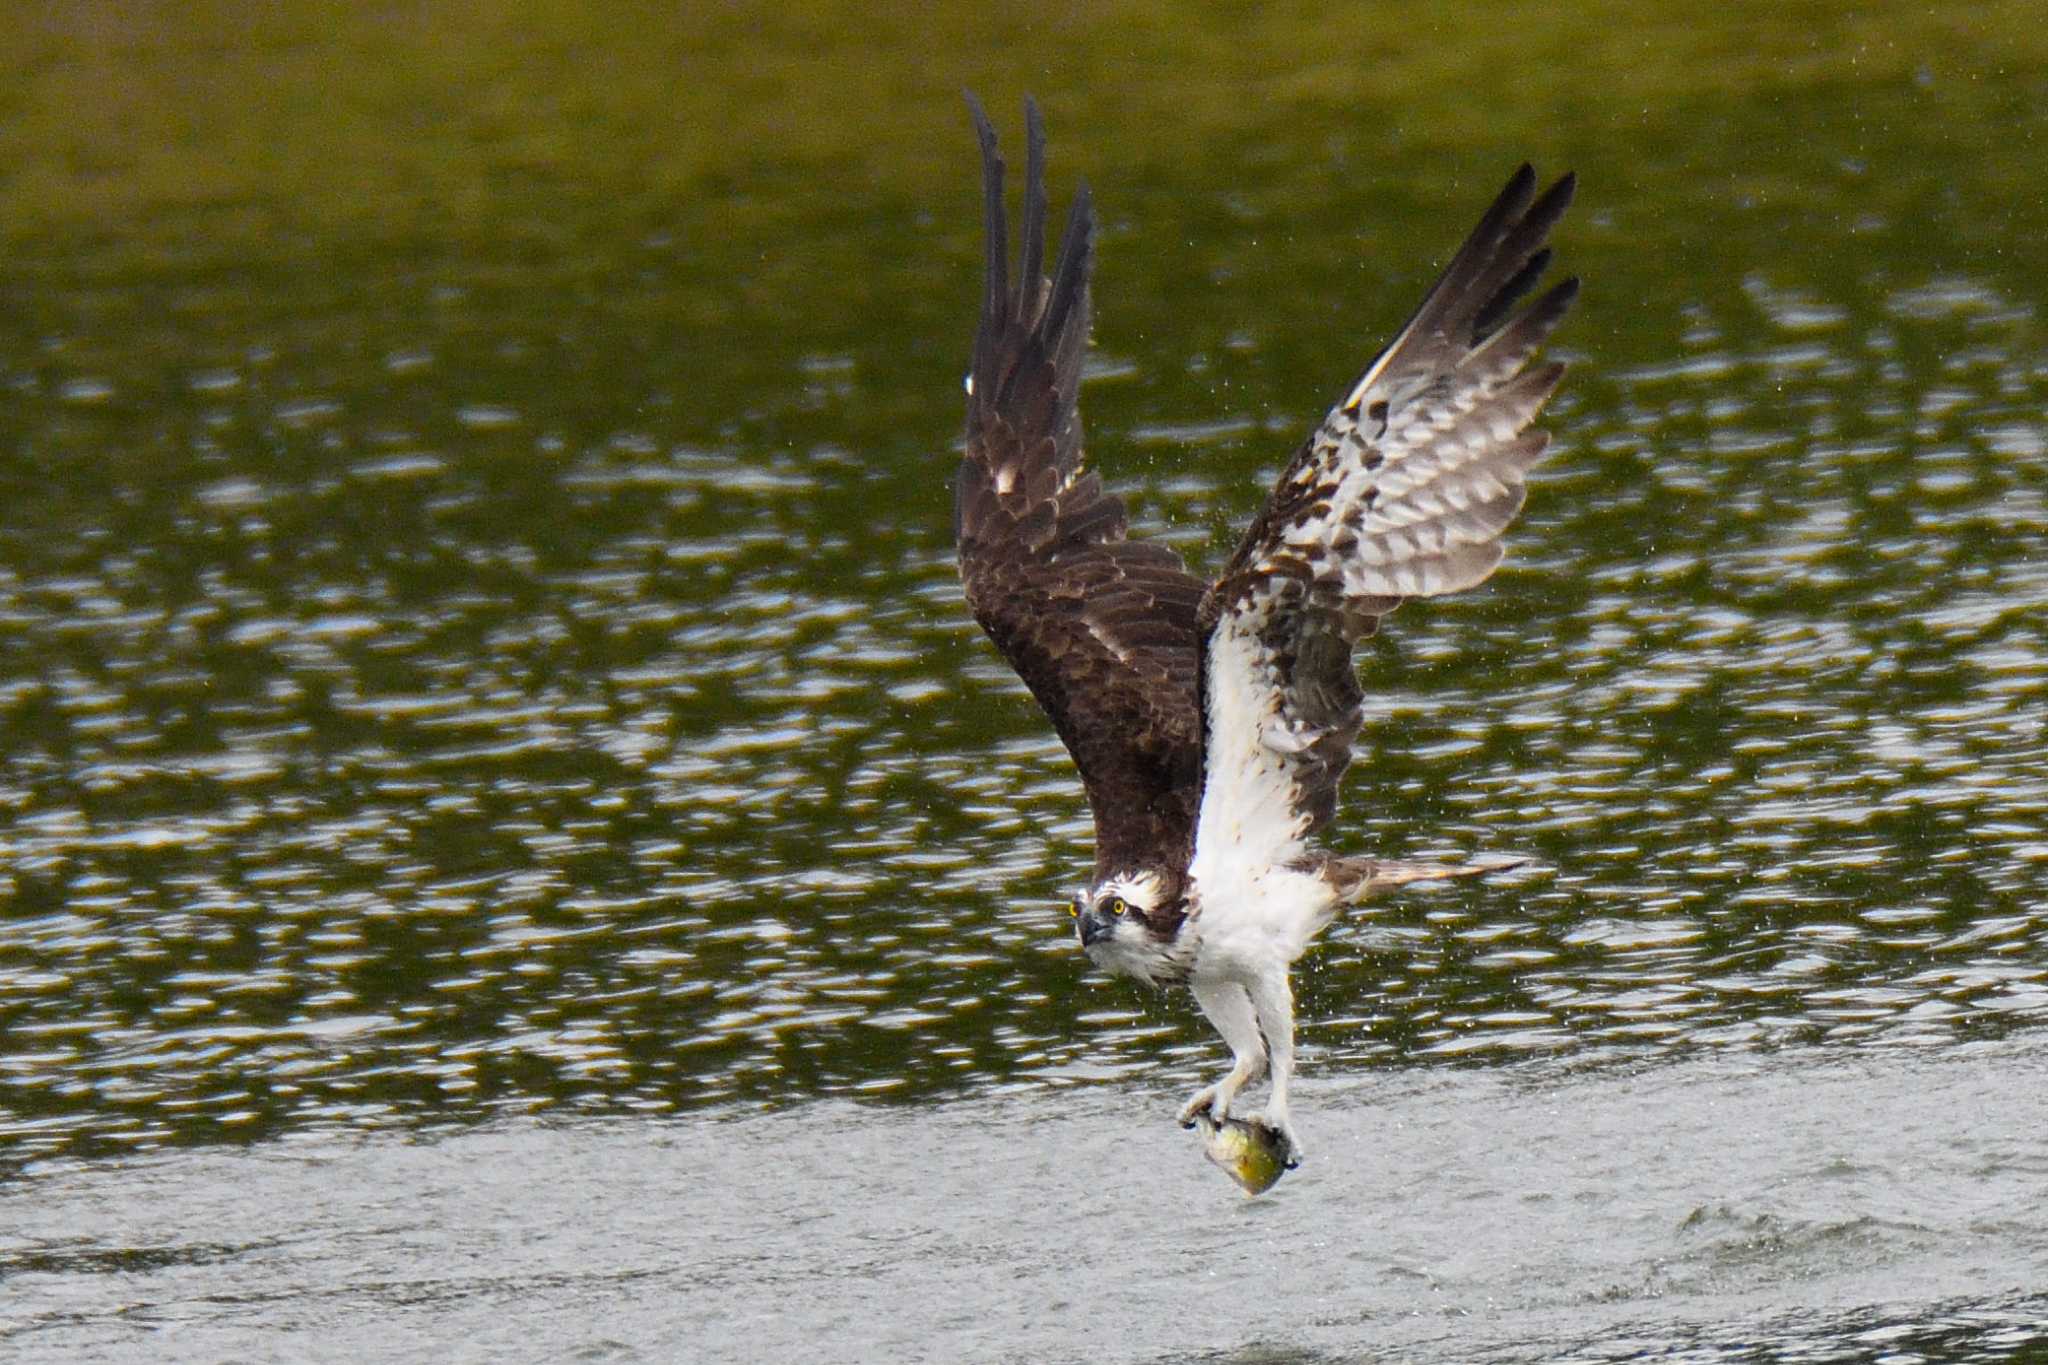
(1210,1099)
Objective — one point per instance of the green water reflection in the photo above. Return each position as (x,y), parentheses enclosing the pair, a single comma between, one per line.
(479,631)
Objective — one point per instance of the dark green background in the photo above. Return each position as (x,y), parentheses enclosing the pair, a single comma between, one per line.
(477,629)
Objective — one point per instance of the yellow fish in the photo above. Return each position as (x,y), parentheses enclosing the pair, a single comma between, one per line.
(1252,1154)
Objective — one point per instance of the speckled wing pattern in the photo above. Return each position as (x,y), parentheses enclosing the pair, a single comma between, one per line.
(1100,627)
(1403,491)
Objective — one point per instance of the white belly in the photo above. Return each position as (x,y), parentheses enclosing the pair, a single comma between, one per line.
(1252,924)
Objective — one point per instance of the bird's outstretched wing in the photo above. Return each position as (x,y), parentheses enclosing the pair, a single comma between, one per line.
(1101,628)
(1403,491)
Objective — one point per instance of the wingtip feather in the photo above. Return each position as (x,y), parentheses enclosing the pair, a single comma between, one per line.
(1023,419)
(1031,263)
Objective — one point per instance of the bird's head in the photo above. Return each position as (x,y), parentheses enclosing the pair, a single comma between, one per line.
(1129,923)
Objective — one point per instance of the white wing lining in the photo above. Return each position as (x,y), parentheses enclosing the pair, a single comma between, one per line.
(1250,811)
(1402,491)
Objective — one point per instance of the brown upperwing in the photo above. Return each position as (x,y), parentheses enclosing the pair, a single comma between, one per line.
(1102,629)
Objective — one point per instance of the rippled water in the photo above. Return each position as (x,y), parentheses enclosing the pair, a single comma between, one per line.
(364,772)
(1824,1205)
(476,687)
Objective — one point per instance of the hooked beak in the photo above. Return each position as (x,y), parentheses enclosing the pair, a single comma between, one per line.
(1093,926)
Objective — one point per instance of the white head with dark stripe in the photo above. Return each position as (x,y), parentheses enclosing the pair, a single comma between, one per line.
(1129,924)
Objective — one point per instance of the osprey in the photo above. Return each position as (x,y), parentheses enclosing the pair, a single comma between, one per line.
(1211,721)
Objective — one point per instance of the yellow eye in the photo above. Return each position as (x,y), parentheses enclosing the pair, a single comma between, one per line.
(1118,905)
(1074,908)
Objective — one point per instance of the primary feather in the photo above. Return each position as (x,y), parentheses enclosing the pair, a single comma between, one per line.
(1402,491)
(1101,628)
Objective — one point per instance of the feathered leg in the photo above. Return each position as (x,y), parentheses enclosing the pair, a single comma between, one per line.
(1230,1010)
(1272,998)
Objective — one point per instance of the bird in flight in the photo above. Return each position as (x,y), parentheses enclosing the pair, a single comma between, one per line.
(1211,721)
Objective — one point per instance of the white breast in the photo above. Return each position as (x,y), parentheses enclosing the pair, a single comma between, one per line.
(1253,922)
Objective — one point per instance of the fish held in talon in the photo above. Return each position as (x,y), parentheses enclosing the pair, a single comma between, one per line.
(1212,718)
(1249,1151)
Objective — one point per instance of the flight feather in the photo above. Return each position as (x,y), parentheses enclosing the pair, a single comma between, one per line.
(1402,491)
(1100,627)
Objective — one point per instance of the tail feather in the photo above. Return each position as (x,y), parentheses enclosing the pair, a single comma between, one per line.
(1357,878)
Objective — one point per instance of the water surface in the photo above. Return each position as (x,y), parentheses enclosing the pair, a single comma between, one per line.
(491,727)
